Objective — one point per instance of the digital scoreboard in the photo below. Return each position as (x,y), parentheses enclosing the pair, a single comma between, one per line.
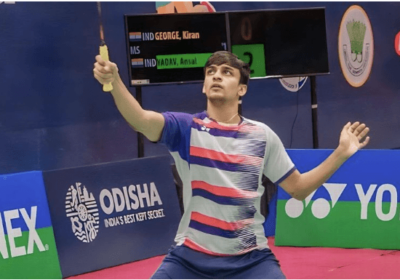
(172,48)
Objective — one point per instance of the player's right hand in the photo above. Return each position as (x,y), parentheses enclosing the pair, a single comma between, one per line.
(105,71)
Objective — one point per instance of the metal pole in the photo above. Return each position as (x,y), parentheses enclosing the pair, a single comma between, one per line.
(140,138)
(314,111)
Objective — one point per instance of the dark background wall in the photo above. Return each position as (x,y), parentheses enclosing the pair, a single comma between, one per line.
(53,113)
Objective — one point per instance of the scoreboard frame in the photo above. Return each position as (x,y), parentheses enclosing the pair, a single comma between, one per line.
(249,50)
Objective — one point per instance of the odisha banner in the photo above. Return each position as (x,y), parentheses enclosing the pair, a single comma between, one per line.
(109,214)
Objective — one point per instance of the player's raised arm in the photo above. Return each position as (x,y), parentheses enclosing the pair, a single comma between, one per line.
(352,138)
(147,122)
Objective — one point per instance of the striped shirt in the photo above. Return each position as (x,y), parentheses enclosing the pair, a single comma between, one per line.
(221,168)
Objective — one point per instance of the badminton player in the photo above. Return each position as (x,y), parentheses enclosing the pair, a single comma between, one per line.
(221,158)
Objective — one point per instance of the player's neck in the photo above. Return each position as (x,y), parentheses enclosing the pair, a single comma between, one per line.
(227,115)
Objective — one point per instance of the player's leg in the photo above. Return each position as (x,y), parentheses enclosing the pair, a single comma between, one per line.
(267,267)
(175,266)
(161,273)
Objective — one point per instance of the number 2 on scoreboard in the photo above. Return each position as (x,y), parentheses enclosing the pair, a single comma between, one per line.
(250,55)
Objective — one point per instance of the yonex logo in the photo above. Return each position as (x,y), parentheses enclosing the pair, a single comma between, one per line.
(18,246)
(81,209)
(321,207)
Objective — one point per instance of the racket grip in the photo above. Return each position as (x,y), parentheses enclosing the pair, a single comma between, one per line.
(104,55)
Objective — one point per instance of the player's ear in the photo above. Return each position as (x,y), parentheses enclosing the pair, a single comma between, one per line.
(242,89)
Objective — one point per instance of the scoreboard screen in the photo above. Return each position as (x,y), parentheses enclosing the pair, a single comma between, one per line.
(172,48)
(279,43)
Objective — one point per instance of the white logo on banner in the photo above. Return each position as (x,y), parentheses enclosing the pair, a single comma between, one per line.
(130,198)
(320,207)
(293,84)
(356,46)
(365,198)
(15,245)
(81,209)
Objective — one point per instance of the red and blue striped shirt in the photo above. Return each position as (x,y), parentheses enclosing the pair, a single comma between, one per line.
(221,168)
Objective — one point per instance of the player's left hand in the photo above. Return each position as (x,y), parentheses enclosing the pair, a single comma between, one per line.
(351,138)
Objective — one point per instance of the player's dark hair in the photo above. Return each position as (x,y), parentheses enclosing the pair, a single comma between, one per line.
(224,57)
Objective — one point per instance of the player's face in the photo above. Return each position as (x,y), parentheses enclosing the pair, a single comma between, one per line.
(222,83)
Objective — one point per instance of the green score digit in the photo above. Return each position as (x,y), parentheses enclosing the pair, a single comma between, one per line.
(254,56)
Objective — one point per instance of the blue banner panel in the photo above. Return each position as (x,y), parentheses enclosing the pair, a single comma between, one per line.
(109,214)
(361,175)
(358,207)
(24,192)
(27,246)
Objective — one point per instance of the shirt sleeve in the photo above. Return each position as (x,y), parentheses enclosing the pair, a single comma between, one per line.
(176,130)
(278,165)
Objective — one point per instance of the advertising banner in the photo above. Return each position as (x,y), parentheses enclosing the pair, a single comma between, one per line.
(27,246)
(356,208)
(109,214)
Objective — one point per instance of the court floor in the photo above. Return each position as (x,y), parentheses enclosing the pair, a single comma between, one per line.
(296,263)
